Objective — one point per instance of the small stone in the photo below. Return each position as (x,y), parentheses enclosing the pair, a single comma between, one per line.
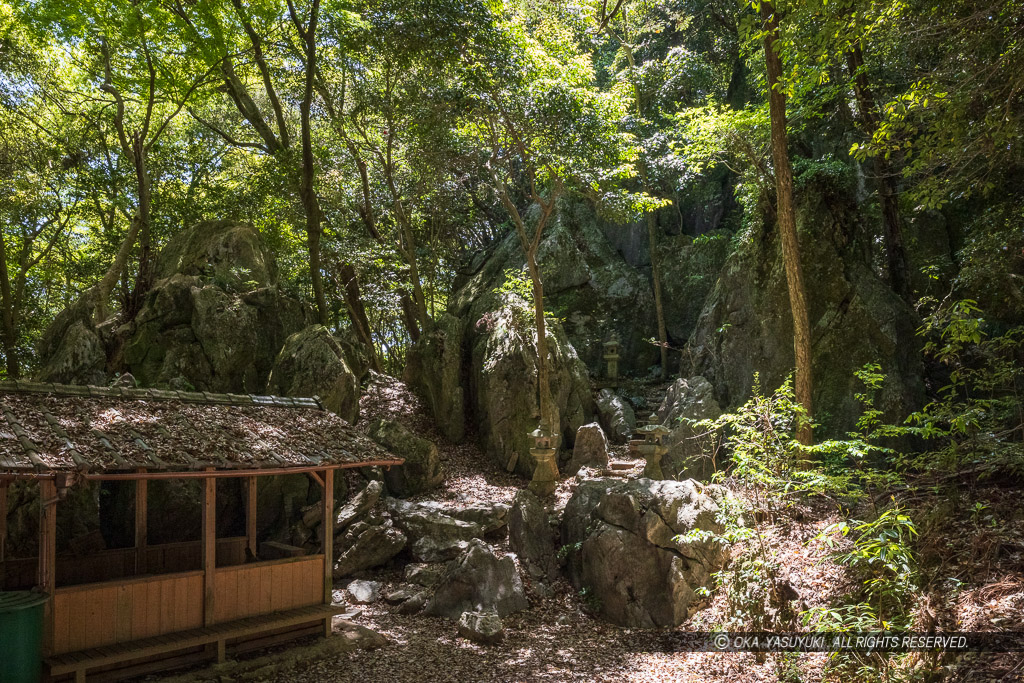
(413,605)
(364,592)
(399,596)
(423,574)
(482,627)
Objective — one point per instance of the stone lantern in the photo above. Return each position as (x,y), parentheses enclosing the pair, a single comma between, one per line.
(545,470)
(611,355)
(653,447)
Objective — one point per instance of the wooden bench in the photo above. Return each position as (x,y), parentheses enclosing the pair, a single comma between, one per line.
(81,662)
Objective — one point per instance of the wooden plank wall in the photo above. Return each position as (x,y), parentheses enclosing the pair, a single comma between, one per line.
(267,587)
(94,616)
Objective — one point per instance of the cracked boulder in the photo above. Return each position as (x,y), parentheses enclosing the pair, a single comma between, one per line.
(478,581)
(616,416)
(625,551)
(434,536)
(687,400)
(366,544)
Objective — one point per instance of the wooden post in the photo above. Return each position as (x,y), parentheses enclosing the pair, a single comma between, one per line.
(327,532)
(141,524)
(3,532)
(47,578)
(250,516)
(209,546)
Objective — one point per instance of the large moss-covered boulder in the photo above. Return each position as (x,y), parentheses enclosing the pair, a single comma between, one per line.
(72,349)
(228,254)
(856,318)
(686,401)
(421,470)
(503,382)
(312,363)
(434,368)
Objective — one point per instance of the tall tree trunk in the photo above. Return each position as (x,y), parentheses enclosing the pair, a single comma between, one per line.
(10,331)
(888,195)
(787,219)
(307,191)
(543,384)
(410,315)
(144,188)
(357,311)
(659,308)
(102,289)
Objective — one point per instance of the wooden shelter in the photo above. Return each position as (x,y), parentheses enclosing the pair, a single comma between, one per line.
(128,611)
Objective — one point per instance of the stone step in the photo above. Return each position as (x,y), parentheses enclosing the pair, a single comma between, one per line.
(623,465)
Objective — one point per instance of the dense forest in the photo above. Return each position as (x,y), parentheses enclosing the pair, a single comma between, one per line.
(791,232)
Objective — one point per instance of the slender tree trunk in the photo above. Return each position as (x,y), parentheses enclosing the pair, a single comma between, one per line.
(659,308)
(7,319)
(307,190)
(786,215)
(105,286)
(410,314)
(543,384)
(357,311)
(144,187)
(896,255)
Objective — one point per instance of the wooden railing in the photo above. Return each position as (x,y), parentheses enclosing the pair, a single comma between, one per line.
(107,565)
(98,614)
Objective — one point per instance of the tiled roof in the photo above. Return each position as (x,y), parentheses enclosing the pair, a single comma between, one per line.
(54,427)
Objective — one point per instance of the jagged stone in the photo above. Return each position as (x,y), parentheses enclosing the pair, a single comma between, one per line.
(616,416)
(422,468)
(491,517)
(590,449)
(478,580)
(687,399)
(424,574)
(364,592)
(624,552)
(312,363)
(359,505)
(434,536)
(372,547)
(482,627)
(434,369)
(531,537)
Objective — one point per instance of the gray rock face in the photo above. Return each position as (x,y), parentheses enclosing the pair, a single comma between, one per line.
(434,368)
(591,448)
(624,552)
(481,627)
(229,254)
(490,516)
(687,399)
(745,326)
(530,536)
(434,535)
(504,381)
(422,468)
(365,546)
(312,363)
(477,581)
(214,320)
(616,416)
(364,592)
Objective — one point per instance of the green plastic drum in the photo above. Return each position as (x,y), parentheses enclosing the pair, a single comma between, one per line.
(21,636)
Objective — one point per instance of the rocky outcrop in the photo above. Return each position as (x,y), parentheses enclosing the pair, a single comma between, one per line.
(624,552)
(686,400)
(616,416)
(365,544)
(434,366)
(213,320)
(433,535)
(478,581)
(746,325)
(312,363)
(422,468)
(531,537)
